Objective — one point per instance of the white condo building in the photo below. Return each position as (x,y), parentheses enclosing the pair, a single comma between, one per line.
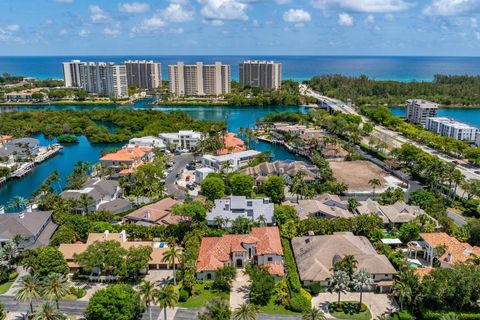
(229,162)
(266,74)
(451,128)
(419,110)
(199,79)
(144,74)
(103,78)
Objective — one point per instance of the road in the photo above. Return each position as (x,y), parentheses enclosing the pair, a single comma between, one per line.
(189,314)
(70,307)
(180,162)
(463,167)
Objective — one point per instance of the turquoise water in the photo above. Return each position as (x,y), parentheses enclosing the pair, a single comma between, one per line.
(235,118)
(467,115)
(293,67)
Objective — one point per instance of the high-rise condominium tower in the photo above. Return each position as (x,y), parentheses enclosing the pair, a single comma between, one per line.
(199,79)
(266,74)
(144,74)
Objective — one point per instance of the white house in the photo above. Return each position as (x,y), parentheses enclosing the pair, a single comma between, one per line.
(150,141)
(185,140)
(229,162)
(238,206)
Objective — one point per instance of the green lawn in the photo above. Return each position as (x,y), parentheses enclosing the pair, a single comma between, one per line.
(366,315)
(203,297)
(5,286)
(272,308)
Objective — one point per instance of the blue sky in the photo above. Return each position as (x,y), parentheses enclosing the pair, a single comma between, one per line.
(236,27)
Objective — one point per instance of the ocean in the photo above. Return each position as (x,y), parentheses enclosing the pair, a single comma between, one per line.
(297,68)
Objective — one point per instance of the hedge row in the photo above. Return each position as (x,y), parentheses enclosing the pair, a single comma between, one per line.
(437,315)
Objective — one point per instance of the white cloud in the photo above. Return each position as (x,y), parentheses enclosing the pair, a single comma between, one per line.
(282,1)
(474,23)
(298,16)
(176,13)
(98,14)
(12,27)
(477,35)
(153,23)
(344,19)
(7,34)
(63,1)
(223,10)
(134,7)
(369,19)
(112,31)
(367,6)
(451,7)
(63,32)
(389,17)
(84,33)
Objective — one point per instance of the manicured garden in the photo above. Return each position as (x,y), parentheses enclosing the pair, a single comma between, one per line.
(350,310)
(202,293)
(274,308)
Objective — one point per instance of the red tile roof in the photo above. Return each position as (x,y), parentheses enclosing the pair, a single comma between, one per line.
(127,154)
(215,251)
(233,144)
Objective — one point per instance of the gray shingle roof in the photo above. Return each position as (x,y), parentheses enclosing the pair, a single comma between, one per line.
(28,226)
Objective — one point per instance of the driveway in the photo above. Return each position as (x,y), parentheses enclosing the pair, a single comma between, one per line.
(377,303)
(240,289)
(172,188)
(160,276)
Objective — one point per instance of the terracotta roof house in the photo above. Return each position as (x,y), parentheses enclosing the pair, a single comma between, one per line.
(233,144)
(395,214)
(157,213)
(35,227)
(262,246)
(128,158)
(239,206)
(69,250)
(288,169)
(4,139)
(453,251)
(325,206)
(316,255)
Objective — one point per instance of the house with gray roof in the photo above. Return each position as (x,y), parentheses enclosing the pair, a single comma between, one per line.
(103,194)
(285,169)
(316,256)
(325,206)
(35,227)
(239,206)
(20,149)
(393,215)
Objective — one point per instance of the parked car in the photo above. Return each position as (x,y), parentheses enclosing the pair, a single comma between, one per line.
(190,186)
(191,166)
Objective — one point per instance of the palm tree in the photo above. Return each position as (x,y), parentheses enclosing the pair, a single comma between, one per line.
(348,264)
(17,203)
(27,289)
(353,204)
(449,317)
(313,314)
(374,183)
(171,256)
(299,186)
(147,291)
(361,280)
(55,287)
(384,316)
(403,292)
(246,311)
(166,297)
(262,220)
(47,312)
(340,282)
(85,201)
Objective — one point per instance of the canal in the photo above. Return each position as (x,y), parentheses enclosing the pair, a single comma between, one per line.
(63,163)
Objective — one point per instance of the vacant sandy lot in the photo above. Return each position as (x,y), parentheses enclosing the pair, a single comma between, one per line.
(356,175)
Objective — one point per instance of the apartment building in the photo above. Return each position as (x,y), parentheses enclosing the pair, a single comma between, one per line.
(144,74)
(199,79)
(451,128)
(102,78)
(418,111)
(266,74)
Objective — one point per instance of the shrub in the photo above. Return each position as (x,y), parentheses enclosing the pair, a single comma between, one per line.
(293,277)
(13,275)
(402,315)
(315,288)
(223,278)
(4,274)
(183,295)
(437,315)
(262,286)
(78,292)
(299,303)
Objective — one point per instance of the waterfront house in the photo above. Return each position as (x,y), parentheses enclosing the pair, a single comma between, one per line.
(101,192)
(232,144)
(21,149)
(158,213)
(24,95)
(285,169)
(127,159)
(149,142)
(229,162)
(262,247)
(333,151)
(393,215)
(34,226)
(156,258)
(317,255)
(183,141)
(325,206)
(228,209)
(442,247)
